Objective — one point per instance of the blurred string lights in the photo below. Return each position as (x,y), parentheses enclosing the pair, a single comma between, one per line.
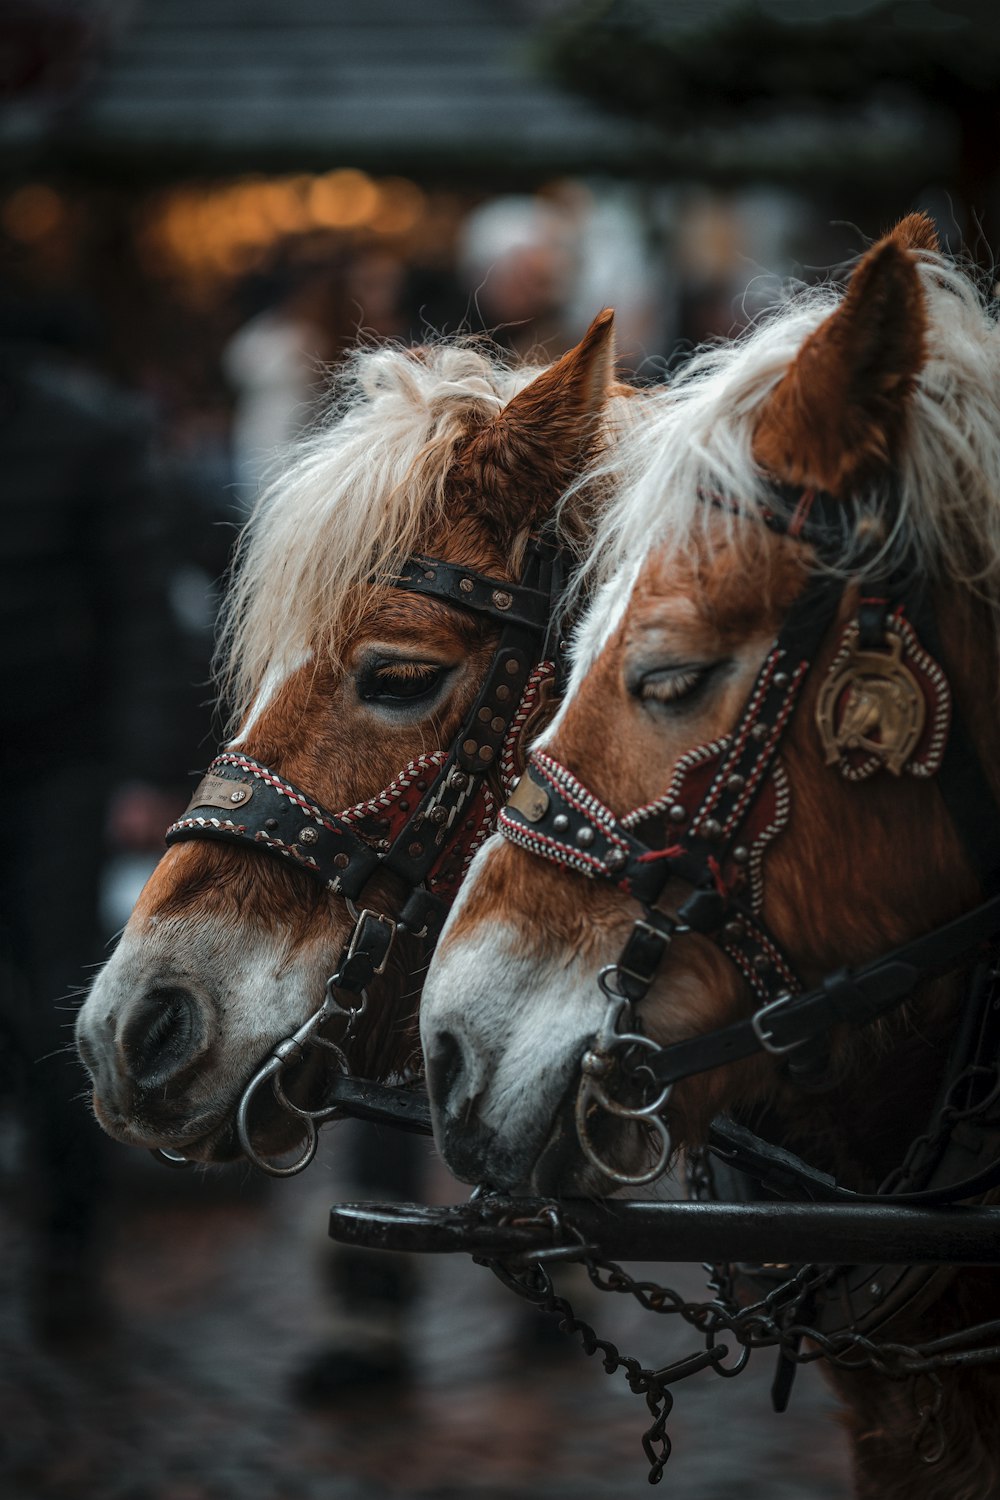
(210,232)
(229,229)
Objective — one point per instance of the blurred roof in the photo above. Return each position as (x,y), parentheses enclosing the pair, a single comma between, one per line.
(386,84)
(494,88)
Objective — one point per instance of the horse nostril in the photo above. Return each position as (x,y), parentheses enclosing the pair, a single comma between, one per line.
(447,1079)
(161,1034)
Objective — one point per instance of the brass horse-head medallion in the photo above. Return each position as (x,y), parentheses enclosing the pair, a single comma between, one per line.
(871,705)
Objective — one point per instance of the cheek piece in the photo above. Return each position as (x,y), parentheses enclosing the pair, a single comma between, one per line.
(423,829)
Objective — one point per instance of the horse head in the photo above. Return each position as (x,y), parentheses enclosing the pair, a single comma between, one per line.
(740,793)
(349,689)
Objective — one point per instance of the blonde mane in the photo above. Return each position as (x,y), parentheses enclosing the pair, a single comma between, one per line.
(353,502)
(697,435)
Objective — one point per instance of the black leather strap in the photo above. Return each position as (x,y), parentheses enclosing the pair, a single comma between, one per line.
(367,952)
(824,521)
(849,997)
(505,603)
(787,1175)
(275,816)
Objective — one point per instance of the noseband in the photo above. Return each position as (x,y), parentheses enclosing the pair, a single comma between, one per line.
(423,828)
(725,803)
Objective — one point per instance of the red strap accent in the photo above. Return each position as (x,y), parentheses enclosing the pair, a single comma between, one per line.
(716,869)
(800,515)
(673,852)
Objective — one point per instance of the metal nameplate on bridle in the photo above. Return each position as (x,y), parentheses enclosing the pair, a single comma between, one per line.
(217,791)
(871,704)
(530,799)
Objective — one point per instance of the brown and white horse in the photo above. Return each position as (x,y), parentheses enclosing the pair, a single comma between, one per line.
(340,681)
(887,399)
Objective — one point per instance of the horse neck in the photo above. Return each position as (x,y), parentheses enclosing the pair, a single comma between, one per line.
(890,1074)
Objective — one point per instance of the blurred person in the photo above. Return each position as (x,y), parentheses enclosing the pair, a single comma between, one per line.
(89,699)
(518,258)
(277,363)
(274,365)
(615,267)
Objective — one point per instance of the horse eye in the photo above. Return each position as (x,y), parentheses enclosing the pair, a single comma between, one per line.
(671,684)
(399,681)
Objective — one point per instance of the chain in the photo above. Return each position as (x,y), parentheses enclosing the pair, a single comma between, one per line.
(533,1282)
(926,1147)
(779,1320)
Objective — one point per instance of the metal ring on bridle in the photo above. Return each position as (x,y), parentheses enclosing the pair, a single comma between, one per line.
(596,1063)
(324,1112)
(610,1040)
(651,1122)
(267,1073)
(171,1159)
(289,1051)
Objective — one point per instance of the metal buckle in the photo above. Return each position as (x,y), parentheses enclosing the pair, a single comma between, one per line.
(359,923)
(766,1038)
(666,938)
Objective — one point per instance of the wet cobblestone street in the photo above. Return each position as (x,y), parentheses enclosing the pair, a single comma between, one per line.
(214,1304)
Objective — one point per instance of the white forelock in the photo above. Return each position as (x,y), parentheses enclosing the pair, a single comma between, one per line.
(352,501)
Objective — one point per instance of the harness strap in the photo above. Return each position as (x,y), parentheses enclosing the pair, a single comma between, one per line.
(961,779)
(787,1175)
(528,605)
(852,997)
(240,800)
(476,751)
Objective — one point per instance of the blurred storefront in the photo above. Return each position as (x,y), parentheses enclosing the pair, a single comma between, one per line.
(176,167)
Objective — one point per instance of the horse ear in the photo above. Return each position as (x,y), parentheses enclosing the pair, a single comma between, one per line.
(523,459)
(916,232)
(836,416)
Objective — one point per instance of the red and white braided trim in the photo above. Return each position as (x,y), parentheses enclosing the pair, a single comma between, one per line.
(509,771)
(263,773)
(385,799)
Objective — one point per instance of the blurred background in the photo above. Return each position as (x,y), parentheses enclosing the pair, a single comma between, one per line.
(203,203)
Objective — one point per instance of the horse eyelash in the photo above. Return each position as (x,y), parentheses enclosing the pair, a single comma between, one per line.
(408,669)
(672,686)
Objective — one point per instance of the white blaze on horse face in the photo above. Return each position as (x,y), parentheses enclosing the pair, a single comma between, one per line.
(275,679)
(503,1036)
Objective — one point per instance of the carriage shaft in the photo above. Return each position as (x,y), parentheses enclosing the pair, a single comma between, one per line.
(777,1233)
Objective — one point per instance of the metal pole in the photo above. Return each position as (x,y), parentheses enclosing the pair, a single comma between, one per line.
(781,1233)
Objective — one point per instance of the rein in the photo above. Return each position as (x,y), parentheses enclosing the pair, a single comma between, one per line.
(423,828)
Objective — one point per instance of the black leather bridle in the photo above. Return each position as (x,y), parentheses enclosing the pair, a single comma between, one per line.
(423,829)
(714,848)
